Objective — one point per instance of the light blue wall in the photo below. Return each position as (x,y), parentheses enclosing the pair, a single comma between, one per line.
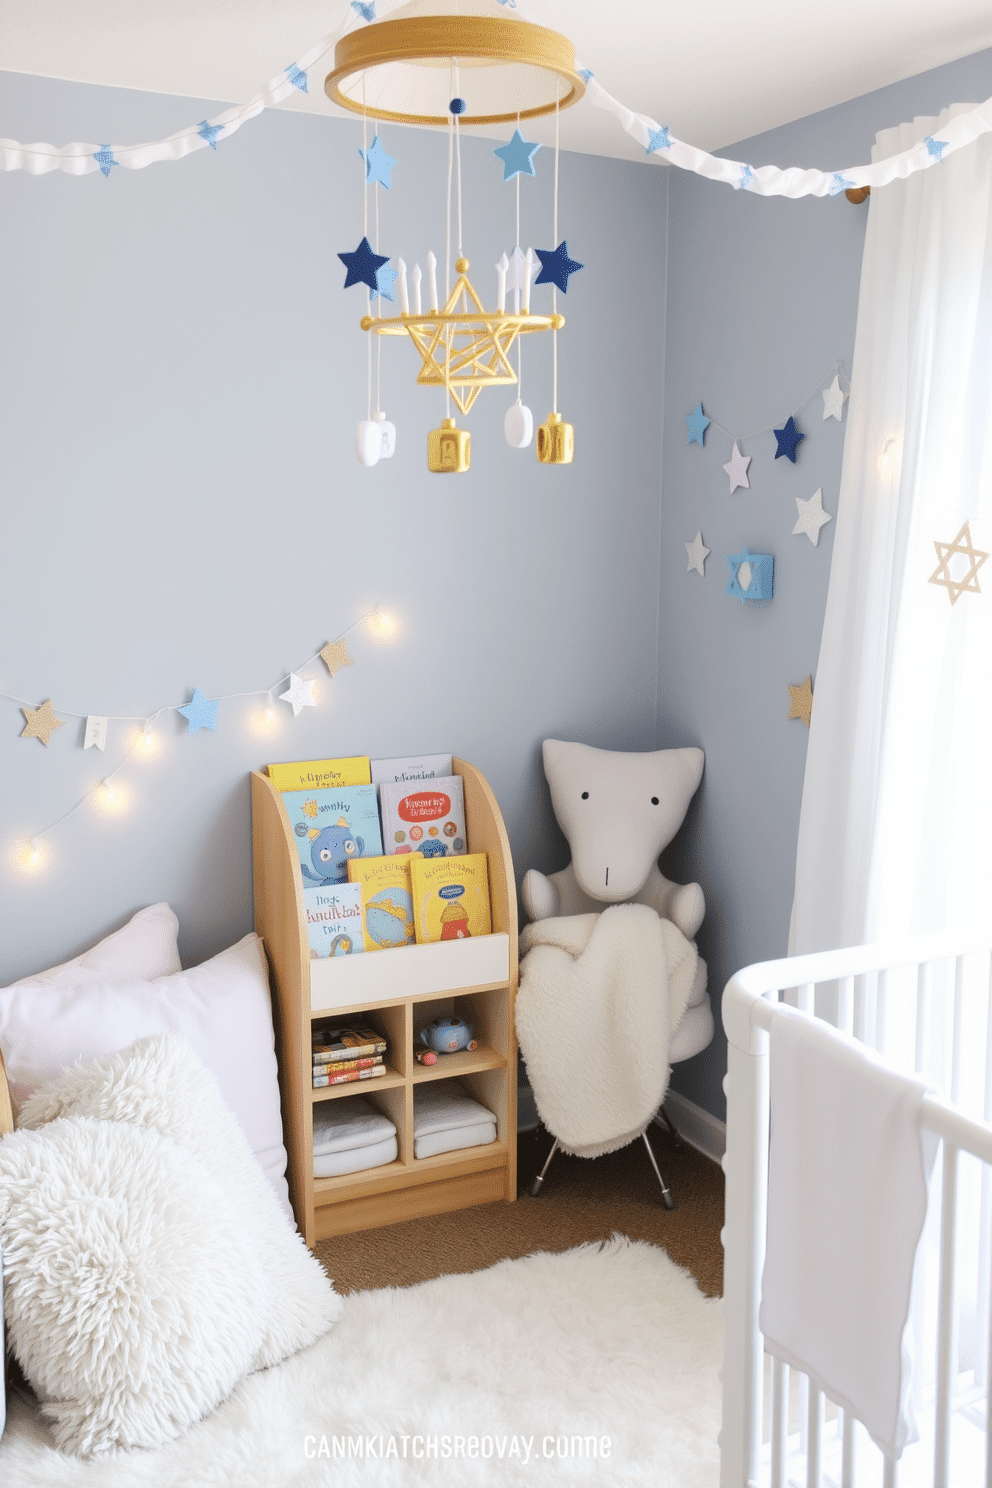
(180,377)
(762,298)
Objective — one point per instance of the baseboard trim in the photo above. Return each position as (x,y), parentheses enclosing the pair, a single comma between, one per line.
(706,1133)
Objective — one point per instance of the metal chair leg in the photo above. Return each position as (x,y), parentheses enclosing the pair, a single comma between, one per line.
(666,1197)
(535,1187)
(663,1119)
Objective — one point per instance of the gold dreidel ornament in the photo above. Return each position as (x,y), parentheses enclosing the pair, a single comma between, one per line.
(555,441)
(449,449)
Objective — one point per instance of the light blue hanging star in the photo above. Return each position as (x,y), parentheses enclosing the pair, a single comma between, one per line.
(378,165)
(698,424)
(297,77)
(747,176)
(585,74)
(209,132)
(517,157)
(367,12)
(200,711)
(384,280)
(658,139)
(511,3)
(839,183)
(104,158)
(935,146)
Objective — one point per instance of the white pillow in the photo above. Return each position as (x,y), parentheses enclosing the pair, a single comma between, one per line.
(222,1006)
(144,947)
(148,1267)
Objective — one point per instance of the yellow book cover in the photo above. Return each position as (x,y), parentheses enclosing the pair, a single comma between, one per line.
(451,897)
(315,774)
(387,899)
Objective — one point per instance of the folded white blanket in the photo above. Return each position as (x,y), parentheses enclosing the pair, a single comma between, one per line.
(442,1105)
(474,1134)
(599,997)
(340,1125)
(329,1164)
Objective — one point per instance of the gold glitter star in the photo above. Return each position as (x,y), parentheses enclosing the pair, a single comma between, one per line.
(942,573)
(335,655)
(801,705)
(41,723)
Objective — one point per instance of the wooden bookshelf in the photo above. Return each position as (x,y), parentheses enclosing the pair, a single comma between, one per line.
(397,992)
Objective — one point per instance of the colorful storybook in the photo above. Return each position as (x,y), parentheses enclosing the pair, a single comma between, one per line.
(357,1042)
(426,817)
(414,767)
(321,774)
(387,899)
(451,897)
(332,826)
(334,919)
(330,1075)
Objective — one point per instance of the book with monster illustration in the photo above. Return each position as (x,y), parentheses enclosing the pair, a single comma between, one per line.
(331,827)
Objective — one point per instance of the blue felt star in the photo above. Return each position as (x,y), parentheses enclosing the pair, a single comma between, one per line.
(209,132)
(585,74)
(758,579)
(839,183)
(698,424)
(788,439)
(517,157)
(511,3)
(658,139)
(556,266)
(297,77)
(378,165)
(384,280)
(200,711)
(104,158)
(935,146)
(362,265)
(747,176)
(367,12)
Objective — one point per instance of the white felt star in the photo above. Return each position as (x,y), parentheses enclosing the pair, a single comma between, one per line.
(811,517)
(698,554)
(736,468)
(298,694)
(833,400)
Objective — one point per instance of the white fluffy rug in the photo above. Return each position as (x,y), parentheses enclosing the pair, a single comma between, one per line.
(529,1364)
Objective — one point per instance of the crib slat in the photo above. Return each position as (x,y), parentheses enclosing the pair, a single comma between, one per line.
(958,1015)
(946,1320)
(806,997)
(988,1412)
(889,1473)
(881,1006)
(780,1422)
(814,1437)
(847,1465)
(845,1004)
(924,979)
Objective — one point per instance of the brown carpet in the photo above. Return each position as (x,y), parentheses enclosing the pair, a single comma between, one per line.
(581,1200)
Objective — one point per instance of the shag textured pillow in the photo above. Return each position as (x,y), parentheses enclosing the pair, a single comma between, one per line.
(148,1264)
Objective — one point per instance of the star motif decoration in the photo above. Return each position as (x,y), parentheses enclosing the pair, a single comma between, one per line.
(516,274)
(104,158)
(752,575)
(367,12)
(658,139)
(801,700)
(200,712)
(584,73)
(384,280)
(517,157)
(698,554)
(941,575)
(833,400)
(556,266)
(811,517)
(335,655)
(747,176)
(209,132)
(41,723)
(297,77)
(697,423)
(362,265)
(298,694)
(378,165)
(839,183)
(935,147)
(788,439)
(736,468)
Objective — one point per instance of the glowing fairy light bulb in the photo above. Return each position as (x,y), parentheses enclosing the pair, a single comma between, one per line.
(265,719)
(31,858)
(111,797)
(382,625)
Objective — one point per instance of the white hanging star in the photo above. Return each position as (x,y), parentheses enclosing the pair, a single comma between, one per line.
(736,468)
(298,694)
(698,554)
(833,400)
(811,517)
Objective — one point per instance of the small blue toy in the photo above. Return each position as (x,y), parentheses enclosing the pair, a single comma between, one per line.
(445,1035)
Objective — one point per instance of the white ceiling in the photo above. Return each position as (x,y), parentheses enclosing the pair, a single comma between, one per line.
(714,71)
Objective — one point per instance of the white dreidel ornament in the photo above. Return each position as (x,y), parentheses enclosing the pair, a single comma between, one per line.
(368,442)
(387,431)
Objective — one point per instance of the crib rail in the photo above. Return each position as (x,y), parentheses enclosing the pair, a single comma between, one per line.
(915,996)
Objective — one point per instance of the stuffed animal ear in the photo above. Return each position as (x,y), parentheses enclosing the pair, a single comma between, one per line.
(692,762)
(552,749)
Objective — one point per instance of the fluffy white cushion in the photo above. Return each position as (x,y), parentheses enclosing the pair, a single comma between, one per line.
(148,1266)
(144,947)
(222,1006)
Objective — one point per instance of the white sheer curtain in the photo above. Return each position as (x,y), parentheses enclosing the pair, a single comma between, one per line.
(896,825)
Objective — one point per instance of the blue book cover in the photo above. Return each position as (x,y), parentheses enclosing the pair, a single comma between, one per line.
(331,826)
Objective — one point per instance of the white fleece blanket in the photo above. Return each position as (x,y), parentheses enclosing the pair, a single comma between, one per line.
(599,998)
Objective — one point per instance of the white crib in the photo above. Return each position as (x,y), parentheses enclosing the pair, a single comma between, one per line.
(925,1006)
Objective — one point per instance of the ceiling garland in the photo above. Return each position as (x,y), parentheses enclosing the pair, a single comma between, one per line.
(656,139)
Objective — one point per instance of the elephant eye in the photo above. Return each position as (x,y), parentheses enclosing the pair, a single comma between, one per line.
(585,795)
(654,800)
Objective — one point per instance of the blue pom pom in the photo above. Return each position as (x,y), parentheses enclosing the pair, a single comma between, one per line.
(457,106)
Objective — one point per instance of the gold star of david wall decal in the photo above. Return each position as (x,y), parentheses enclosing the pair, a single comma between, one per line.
(801,705)
(942,576)
(41,723)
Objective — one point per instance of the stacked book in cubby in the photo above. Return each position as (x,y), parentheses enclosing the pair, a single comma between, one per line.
(343,1055)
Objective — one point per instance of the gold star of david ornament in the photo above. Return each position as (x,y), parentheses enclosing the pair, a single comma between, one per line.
(801,705)
(942,576)
(41,723)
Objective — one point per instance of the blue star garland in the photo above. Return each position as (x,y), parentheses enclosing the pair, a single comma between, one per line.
(367,12)
(362,266)
(384,281)
(378,165)
(297,77)
(788,440)
(936,147)
(697,423)
(658,139)
(556,266)
(209,132)
(104,158)
(200,711)
(747,176)
(517,156)
(839,183)
(585,74)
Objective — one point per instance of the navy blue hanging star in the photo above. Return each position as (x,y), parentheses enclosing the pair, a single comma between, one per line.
(556,266)
(104,158)
(362,265)
(788,439)
(209,132)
